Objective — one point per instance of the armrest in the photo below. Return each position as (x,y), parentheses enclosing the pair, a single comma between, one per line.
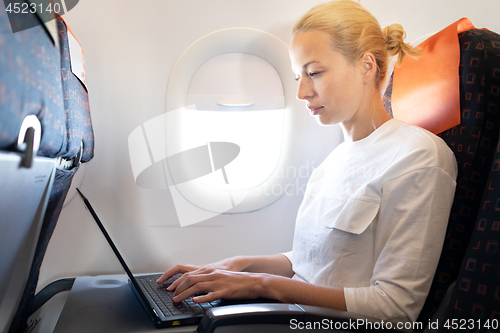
(50,291)
(272,317)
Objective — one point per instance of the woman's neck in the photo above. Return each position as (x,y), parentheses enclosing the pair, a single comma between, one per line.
(366,120)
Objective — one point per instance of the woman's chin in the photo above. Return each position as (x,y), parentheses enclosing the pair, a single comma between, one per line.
(322,121)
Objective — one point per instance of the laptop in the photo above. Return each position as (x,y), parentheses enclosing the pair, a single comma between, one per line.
(155,299)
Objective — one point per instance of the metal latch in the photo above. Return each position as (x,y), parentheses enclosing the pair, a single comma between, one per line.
(28,140)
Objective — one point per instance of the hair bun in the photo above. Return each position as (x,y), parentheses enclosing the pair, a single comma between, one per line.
(394,36)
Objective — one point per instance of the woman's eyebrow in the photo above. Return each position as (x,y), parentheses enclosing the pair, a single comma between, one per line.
(304,67)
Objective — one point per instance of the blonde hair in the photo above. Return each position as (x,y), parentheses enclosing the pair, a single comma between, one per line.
(355,31)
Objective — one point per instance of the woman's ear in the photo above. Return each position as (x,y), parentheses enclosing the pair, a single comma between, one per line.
(369,66)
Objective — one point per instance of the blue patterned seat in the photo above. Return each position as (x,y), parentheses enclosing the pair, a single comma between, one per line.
(36,79)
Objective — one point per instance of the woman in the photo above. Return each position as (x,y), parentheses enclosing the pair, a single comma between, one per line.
(371,225)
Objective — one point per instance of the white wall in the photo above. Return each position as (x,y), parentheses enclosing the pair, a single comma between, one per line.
(130,48)
(421,17)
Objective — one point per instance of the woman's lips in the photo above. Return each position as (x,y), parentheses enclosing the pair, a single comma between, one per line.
(314,109)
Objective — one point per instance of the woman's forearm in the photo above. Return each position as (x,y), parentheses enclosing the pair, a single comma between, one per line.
(288,290)
(276,264)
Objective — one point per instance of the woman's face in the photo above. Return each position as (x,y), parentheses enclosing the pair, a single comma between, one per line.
(328,82)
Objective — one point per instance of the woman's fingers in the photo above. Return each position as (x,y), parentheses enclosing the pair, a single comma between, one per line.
(218,284)
(231,264)
(190,279)
(184,292)
(174,284)
(210,297)
(185,275)
(210,281)
(178,269)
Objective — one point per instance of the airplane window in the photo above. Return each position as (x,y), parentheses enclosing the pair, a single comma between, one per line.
(238,98)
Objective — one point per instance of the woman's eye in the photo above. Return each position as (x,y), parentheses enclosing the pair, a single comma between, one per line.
(313,74)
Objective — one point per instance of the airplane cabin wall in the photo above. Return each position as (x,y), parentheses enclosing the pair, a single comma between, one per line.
(130,48)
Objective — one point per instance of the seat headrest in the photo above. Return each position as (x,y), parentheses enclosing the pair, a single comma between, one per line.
(426,90)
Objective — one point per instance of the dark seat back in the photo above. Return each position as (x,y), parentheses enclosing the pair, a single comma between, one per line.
(475,208)
(476,294)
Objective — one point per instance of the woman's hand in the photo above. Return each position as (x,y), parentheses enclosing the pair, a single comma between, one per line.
(250,278)
(228,279)
(217,284)
(236,264)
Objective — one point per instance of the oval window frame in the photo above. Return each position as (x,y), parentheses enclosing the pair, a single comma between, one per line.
(273,50)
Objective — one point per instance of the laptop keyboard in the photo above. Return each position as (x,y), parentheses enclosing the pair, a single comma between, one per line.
(163,298)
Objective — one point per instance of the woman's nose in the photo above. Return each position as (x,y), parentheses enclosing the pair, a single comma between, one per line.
(303,91)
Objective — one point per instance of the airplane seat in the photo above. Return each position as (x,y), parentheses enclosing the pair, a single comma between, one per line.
(469,254)
(476,294)
(37,83)
(470,126)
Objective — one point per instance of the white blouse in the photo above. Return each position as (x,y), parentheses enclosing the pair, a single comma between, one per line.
(373,220)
